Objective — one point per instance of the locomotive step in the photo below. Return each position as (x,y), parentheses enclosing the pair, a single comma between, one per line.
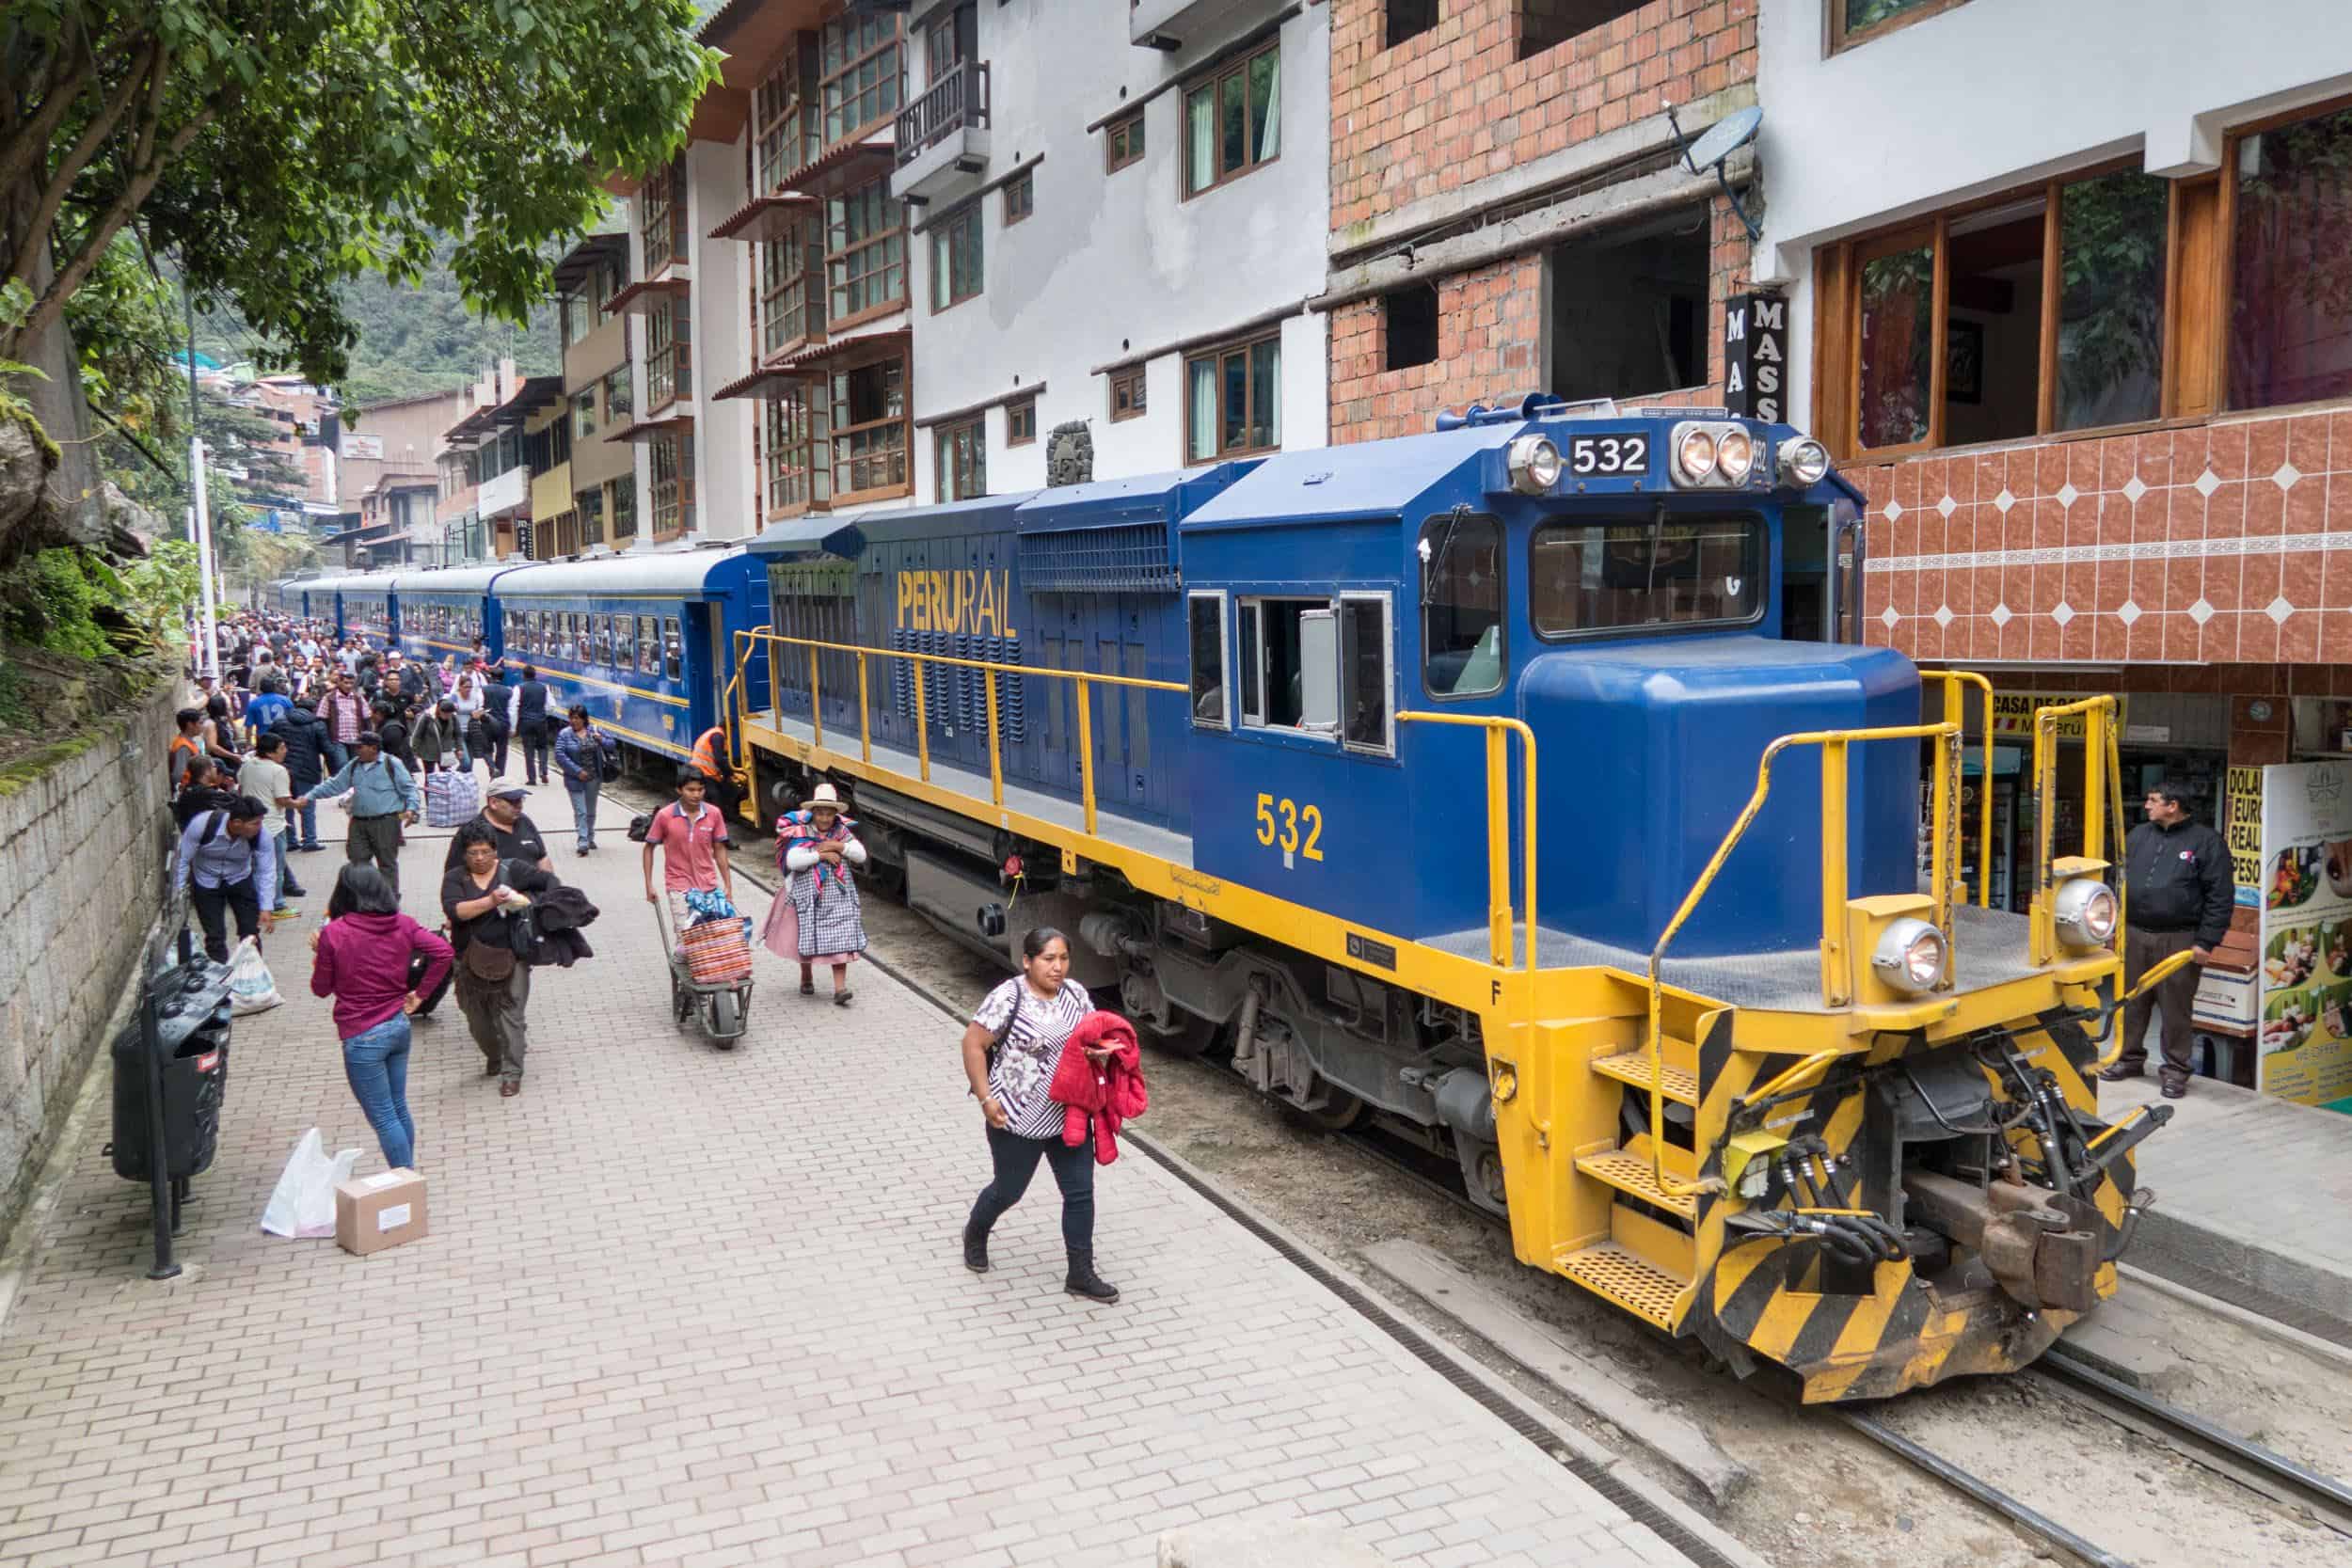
(1633,1066)
(1630,1280)
(1631,1173)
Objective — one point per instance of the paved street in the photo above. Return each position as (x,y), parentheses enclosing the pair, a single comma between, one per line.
(686,1304)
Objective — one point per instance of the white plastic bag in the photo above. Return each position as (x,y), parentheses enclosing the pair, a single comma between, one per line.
(303,1202)
(251,990)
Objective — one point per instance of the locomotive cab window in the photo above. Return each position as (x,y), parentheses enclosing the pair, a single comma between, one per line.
(1365,679)
(1626,576)
(1206,619)
(1462,647)
(1291,679)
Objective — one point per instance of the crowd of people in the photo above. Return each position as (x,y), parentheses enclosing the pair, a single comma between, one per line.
(297,717)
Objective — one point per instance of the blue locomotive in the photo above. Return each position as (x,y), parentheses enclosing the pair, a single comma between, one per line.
(1521,786)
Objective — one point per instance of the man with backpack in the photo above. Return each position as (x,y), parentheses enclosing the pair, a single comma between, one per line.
(382,797)
(227,865)
(306,757)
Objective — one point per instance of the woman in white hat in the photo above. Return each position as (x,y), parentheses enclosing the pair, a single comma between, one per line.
(816,919)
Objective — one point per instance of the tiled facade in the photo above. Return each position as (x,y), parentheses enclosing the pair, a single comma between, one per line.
(2221,543)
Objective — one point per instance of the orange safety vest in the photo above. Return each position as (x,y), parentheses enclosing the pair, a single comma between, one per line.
(706,758)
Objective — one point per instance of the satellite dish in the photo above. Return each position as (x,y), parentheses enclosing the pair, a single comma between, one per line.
(1725,138)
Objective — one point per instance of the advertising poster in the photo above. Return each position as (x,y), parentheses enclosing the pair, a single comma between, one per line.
(2229,995)
(2305,1042)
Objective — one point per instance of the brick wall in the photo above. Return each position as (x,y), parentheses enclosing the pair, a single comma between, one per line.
(80,883)
(1440,110)
(1490,327)
(2226,544)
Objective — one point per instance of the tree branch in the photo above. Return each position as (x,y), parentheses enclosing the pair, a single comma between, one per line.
(71,275)
(29,144)
(149,66)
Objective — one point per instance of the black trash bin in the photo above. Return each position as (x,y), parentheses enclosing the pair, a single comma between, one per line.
(191,1019)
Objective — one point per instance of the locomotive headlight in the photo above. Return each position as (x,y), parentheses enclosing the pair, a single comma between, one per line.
(2084,913)
(1533,463)
(1735,455)
(1911,956)
(1803,463)
(1695,456)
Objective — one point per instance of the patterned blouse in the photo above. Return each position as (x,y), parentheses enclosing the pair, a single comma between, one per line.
(1024,1067)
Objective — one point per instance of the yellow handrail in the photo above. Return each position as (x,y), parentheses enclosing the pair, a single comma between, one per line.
(1836,976)
(1955,712)
(1085,681)
(2158,973)
(2098,755)
(1498,919)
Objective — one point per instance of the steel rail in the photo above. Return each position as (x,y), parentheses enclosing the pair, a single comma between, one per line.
(1980,1490)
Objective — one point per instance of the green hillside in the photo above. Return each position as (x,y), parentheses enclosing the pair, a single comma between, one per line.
(411,340)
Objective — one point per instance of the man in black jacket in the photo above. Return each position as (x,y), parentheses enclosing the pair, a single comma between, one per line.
(2178,892)
(305,759)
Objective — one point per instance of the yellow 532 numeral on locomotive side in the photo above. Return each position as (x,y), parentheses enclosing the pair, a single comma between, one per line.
(1299,830)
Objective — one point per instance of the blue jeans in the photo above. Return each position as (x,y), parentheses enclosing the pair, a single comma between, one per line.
(377,1062)
(336,755)
(307,814)
(1015,1158)
(287,886)
(584,793)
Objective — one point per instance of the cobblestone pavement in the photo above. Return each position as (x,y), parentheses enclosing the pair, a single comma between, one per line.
(683,1304)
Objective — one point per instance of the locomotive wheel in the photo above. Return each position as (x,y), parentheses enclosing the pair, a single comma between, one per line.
(1336,1116)
(1192,1035)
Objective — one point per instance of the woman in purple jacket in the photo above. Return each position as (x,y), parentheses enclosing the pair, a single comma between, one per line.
(362,962)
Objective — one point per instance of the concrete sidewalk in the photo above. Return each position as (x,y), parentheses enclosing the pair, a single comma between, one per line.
(2252,1192)
(686,1304)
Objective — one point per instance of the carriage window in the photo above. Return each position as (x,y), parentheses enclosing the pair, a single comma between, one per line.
(1614,577)
(1364,672)
(600,639)
(672,649)
(624,642)
(1208,660)
(1253,696)
(648,645)
(1461,604)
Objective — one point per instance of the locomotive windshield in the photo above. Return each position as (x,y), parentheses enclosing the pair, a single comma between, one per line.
(1461,604)
(1615,576)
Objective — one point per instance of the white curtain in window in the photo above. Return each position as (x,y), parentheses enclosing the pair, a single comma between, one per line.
(1203,374)
(1200,138)
(1266,82)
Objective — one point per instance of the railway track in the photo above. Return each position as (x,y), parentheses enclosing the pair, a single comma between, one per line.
(2320,1498)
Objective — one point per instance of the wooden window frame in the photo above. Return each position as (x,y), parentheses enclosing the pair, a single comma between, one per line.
(1837,314)
(1218,352)
(944,234)
(778,284)
(1193,600)
(1013,411)
(1132,380)
(973,430)
(788,123)
(670,360)
(777,472)
(1132,126)
(903,421)
(1214,81)
(665,217)
(892,43)
(840,253)
(1024,183)
(1835,37)
(673,512)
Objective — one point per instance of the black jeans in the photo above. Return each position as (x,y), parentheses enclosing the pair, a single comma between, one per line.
(213,908)
(535,740)
(1016,1160)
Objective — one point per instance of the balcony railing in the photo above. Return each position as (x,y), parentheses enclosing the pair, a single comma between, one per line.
(956,99)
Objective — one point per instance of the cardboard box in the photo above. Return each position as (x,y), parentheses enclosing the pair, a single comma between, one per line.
(372,1212)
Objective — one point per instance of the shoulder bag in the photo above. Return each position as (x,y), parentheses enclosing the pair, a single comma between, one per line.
(997,1044)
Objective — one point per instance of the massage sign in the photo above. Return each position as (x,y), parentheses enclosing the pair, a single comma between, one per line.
(2304,1036)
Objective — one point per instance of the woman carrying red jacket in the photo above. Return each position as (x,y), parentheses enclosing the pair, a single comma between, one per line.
(1100,1083)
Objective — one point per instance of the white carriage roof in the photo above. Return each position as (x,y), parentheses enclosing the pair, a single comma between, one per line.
(679,572)
(452,579)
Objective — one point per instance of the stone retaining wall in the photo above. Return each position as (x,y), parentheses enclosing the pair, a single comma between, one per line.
(80,881)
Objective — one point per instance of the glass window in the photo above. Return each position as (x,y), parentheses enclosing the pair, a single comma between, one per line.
(1127,400)
(1898,345)
(866,251)
(1233,400)
(1295,664)
(1123,142)
(1364,672)
(616,396)
(960,452)
(648,645)
(1852,21)
(672,649)
(2110,336)
(601,639)
(956,270)
(1020,422)
(584,414)
(1020,198)
(1610,576)
(2291,272)
(869,428)
(1208,660)
(1462,648)
(861,72)
(791,288)
(623,509)
(1233,121)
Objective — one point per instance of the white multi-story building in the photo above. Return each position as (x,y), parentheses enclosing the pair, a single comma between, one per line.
(910,250)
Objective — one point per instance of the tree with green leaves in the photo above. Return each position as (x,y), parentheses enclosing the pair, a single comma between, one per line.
(278,148)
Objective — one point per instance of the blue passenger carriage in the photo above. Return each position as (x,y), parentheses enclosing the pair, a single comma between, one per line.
(367,604)
(1521,786)
(644,642)
(442,611)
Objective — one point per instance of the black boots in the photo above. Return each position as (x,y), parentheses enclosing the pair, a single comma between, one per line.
(1084,1281)
(975,1247)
